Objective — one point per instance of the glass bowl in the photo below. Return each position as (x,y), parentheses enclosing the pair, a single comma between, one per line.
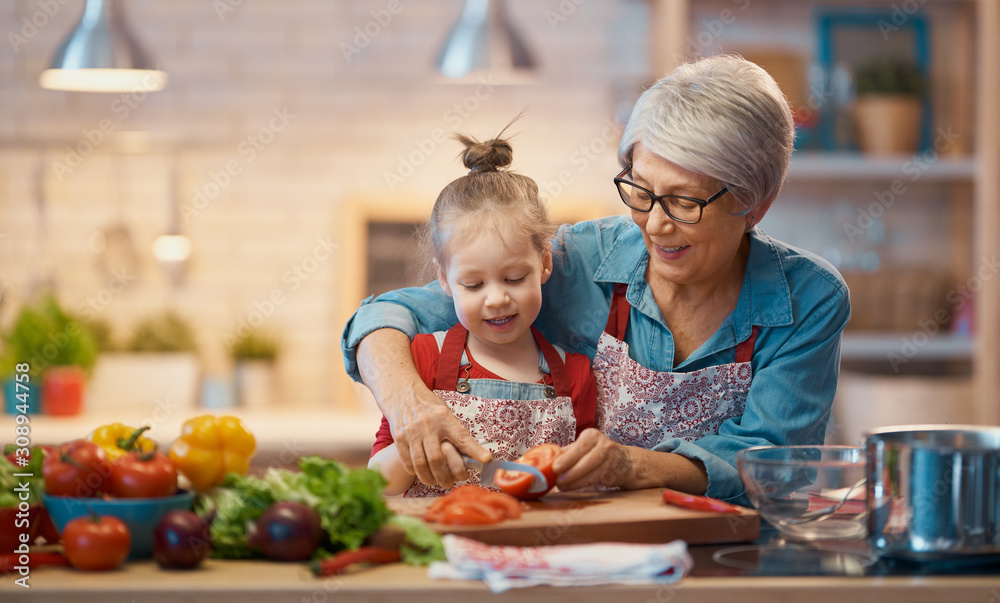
(808,492)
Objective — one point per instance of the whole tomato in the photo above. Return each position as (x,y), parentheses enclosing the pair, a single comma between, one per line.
(143,475)
(79,468)
(518,483)
(96,543)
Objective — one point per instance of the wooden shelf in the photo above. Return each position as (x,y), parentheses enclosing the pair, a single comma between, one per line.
(878,346)
(966,36)
(810,166)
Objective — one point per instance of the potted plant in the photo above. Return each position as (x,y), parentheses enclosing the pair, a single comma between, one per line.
(889,106)
(157,365)
(58,352)
(254,356)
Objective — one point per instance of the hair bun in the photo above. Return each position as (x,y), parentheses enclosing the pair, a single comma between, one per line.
(490,156)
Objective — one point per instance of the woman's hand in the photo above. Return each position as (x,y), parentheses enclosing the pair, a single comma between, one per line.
(593,459)
(427,435)
(429,438)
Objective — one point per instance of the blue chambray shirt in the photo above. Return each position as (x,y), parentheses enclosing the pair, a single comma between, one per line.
(798,301)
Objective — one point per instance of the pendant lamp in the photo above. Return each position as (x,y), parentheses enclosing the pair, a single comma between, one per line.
(101,55)
(484,40)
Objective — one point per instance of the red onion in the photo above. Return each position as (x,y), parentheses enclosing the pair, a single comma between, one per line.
(182,540)
(287,531)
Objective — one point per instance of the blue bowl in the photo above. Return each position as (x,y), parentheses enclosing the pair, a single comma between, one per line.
(141,515)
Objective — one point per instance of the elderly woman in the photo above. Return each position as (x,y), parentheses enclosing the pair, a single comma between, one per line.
(707,336)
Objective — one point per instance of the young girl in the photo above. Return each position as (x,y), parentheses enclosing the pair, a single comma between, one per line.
(511,389)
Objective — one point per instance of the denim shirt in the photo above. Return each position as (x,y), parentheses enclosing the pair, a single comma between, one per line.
(798,301)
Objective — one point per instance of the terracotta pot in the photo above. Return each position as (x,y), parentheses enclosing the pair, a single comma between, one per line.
(888,124)
(62,390)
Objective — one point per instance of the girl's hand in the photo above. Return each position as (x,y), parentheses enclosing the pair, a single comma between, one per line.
(593,459)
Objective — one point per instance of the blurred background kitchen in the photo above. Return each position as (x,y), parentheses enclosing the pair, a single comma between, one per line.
(213,236)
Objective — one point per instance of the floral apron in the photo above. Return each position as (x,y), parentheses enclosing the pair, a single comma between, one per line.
(640,407)
(535,413)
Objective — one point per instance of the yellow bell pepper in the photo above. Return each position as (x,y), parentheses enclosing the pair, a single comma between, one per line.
(209,447)
(114,439)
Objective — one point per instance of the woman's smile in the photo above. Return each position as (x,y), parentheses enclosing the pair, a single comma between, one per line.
(672,253)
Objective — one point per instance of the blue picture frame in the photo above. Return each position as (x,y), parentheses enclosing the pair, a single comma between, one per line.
(829,22)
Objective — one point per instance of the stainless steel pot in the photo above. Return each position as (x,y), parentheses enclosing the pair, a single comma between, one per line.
(934,491)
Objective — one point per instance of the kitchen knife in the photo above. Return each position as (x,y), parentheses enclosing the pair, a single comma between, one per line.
(488,470)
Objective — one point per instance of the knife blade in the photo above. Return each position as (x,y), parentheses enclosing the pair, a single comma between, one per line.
(488,472)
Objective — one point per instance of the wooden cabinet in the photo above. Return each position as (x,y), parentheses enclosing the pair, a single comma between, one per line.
(957,186)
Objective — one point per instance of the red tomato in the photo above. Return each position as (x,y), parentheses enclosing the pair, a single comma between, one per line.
(467,505)
(509,507)
(517,483)
(96,543)
(143,475)
(79,468)
(470,512)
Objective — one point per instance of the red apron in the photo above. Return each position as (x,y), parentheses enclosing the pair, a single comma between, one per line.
(640,407)
(506,427)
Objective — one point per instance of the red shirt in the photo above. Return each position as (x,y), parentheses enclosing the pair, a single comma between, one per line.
(583,388)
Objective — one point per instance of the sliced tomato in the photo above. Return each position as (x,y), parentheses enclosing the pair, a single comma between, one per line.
(469,505)
(518,483)
(471,512)
(508,506)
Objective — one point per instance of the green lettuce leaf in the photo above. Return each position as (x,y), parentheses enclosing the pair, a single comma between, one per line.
(421,544)
(348,501)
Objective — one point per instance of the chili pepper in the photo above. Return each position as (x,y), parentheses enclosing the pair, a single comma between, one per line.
(342,560)
(699,503)
(10,561)
(209,447)
(117,440)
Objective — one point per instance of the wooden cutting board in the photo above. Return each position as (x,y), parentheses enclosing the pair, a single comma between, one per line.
(612,516)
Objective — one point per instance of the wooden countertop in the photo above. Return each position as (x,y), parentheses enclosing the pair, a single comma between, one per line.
(253,581)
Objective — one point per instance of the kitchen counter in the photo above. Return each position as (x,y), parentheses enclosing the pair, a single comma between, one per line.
(253,581)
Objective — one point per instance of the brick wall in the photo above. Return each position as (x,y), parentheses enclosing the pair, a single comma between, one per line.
(279,117)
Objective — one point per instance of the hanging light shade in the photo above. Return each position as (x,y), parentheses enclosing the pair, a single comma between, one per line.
(483,39)
(101,55)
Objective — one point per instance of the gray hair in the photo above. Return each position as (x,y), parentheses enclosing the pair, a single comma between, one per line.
(720,116)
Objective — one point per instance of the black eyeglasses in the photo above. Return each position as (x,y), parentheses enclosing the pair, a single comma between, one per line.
(682,209)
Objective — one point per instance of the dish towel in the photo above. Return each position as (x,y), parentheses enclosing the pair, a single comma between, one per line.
(504,567)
